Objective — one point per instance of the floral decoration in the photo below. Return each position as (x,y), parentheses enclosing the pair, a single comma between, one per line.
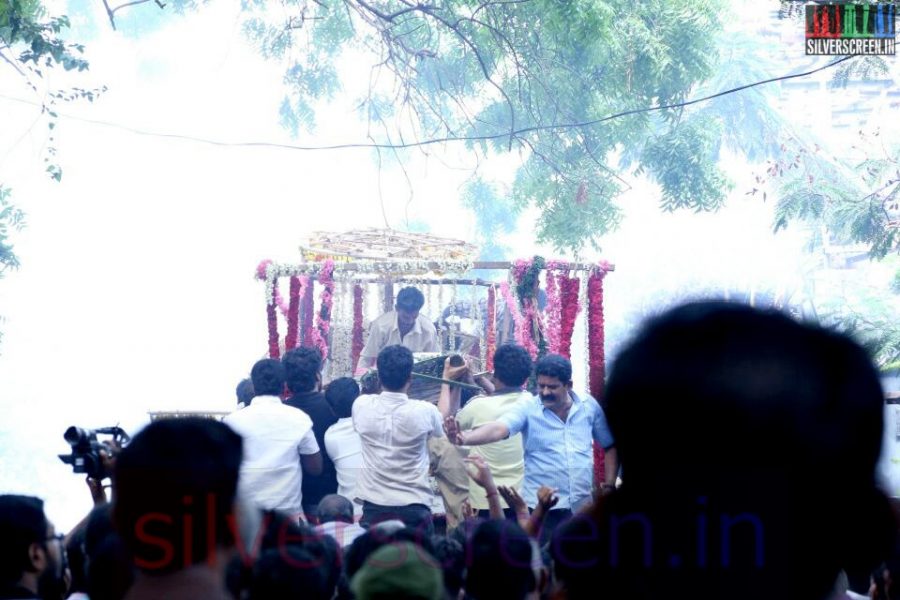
(526,274)
(522,336)
(357,339)
(319,334)
(596,355)
(293,313)
(569,308)
(272,318)
(553,312)
(491,329)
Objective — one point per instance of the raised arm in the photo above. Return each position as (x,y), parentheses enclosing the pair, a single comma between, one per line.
(486,434)
(449,400)
(481,474)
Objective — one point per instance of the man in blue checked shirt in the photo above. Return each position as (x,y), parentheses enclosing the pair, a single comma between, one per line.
(557,429)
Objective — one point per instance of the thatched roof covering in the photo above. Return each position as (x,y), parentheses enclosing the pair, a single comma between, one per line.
(387,244)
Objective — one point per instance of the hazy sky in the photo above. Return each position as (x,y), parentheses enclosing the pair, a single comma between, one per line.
(136,290)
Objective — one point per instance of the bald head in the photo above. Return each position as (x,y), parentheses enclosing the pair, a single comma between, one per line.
(334,507)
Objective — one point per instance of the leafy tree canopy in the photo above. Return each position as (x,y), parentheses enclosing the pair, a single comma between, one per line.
(537,77)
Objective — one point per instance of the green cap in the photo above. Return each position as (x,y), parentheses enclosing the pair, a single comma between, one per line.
(399,569)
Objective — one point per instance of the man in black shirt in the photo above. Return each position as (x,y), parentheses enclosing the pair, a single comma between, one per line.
(32,556)
(304,380)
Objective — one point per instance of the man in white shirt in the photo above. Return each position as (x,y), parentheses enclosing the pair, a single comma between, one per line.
(394,430)
(404,326)
(342,443)
(279,444)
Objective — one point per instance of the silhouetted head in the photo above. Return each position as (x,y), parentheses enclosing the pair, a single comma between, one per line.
(174,489)
(245,392)
(395,365)
(302,367)
(267,377)
(512,365)
(334,507)
(340,394)
(748,444)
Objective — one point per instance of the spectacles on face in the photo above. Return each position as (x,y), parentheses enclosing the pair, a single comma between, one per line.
(63,556)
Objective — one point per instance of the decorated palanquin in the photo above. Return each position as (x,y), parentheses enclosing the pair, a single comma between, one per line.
(345,280)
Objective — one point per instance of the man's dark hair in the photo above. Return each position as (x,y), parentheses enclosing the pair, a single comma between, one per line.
(554,365)
(110,571)
(22,523)
(500,565)
(450,554)
(512,365)
(174,469)
(293,561)
(245,392)
(334,507)
(340,394)
(267,377)
(289,572)
(792,405)
(395,365)
(370,383)
(409,299)
(301,367)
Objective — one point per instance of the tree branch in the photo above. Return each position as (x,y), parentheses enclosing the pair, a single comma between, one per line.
(111,11)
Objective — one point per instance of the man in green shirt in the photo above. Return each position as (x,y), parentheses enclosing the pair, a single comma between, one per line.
(512,367)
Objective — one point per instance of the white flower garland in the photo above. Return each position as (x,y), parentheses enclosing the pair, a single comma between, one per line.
(479,326)
(583,303)
(341,330)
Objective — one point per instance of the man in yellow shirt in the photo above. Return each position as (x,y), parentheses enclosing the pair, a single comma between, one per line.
(512,367)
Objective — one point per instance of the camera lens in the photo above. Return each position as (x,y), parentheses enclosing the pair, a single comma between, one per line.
(73,435)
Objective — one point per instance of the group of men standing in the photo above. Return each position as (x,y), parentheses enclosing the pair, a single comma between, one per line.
(379,449)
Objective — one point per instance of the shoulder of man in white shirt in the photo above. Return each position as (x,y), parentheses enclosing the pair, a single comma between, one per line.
(283,411)
(425,323)
(386,320)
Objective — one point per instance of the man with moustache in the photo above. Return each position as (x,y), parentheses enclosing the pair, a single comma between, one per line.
(557,427)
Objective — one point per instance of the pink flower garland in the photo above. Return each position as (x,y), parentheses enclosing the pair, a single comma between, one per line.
(491,332)
(523,337)
(553,313)
(596,352)
(532,329)
(323,319)
(261,269)
(293,314)
(569,309)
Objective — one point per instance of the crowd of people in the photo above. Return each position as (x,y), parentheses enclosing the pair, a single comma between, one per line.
(739,446)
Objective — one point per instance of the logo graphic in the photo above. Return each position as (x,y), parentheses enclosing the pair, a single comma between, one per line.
(845,28)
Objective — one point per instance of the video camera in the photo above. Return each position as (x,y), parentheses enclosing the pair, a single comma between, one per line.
(85,457)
